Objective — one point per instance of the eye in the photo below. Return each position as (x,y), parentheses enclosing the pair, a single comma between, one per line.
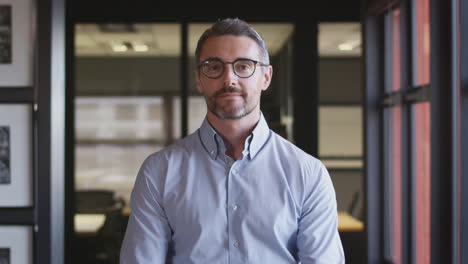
(213,66)
(244,66)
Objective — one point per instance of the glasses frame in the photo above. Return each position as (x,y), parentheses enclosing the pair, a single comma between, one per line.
(203,63)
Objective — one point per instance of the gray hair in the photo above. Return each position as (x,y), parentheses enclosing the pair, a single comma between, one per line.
(235,27)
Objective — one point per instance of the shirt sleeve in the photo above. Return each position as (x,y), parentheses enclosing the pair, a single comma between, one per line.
(318,240)
(148,232)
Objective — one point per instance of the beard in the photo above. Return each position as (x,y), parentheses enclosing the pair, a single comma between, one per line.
(233,110)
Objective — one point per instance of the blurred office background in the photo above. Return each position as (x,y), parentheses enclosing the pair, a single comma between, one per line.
(374,88)
(128,102)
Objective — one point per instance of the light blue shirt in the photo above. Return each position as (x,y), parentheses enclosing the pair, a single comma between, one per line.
(193,204)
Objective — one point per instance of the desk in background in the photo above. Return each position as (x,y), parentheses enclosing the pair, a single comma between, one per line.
(347,223)
(89,224)
(352,237)
(351,232)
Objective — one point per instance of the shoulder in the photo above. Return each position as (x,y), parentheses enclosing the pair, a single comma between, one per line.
(178,149)
(311,170)
(290,152)
(159,163)
(305,174)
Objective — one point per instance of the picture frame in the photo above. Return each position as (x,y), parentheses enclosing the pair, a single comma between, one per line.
(16,244)
(16,43)
(16,155)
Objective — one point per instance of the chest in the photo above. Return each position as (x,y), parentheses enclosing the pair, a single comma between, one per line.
(213,193)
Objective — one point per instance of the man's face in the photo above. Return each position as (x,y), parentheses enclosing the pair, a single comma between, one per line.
(230,96)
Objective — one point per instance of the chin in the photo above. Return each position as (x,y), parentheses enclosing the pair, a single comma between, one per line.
(233,115)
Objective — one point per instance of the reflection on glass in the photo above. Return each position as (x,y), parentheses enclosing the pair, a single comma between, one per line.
(421,42)
(395,172)
(422,185)
(127,79)
(421,139)
(113,136)
(392,134)
(396,53)
(127,76)
(340,124)
(340,130)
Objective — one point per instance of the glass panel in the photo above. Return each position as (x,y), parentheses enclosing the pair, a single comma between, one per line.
(340,136)
(340,126)
(395,169)
(113,137)
(396,141)
(387,184)
(196,102)
(276,102)
(393,185)
(421,42)
(421,136)
(388,52)
(127,76)
(396,50)
(392,137)
(340,121)
(422,181)
(340,63)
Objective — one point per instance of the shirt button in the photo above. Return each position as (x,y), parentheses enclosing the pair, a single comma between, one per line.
(236,244)
(212,152)
(234,172)
(234,207)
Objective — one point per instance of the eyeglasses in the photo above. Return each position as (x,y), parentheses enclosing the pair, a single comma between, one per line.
(214,68)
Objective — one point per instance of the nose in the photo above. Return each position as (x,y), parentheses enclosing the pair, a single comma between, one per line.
(229,77)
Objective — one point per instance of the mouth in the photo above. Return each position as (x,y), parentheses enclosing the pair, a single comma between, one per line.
(228,95)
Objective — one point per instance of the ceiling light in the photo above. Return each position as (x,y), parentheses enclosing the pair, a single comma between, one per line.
(140,47)
(119,47)
(349,45)
(345,47)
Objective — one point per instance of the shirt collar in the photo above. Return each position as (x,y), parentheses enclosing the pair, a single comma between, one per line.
(214,145)
(260,135)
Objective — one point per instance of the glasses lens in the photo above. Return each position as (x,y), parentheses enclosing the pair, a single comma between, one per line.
(213,68)
(244,68)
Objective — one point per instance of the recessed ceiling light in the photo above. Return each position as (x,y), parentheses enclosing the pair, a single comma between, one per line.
(349,45)
(345,47)
(140,47)
(119,47)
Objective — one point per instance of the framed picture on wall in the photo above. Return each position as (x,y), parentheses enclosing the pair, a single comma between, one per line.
(16,244)
(16,43)
(16,188)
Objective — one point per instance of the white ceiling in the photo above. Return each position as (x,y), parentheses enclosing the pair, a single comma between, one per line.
(164,39)
(332,35)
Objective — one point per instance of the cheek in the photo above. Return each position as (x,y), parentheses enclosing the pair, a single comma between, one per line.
(203,87)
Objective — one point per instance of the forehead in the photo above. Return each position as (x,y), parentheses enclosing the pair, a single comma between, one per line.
(229,48)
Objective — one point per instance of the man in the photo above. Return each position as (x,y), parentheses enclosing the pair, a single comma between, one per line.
(233,191)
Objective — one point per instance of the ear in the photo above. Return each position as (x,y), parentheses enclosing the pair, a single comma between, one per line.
(198,81)
(266,77)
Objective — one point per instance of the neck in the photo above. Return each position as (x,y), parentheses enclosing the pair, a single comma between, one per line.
(234,131)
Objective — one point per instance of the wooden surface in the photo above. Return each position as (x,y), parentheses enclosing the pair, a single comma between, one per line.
(348,223)
(90,223)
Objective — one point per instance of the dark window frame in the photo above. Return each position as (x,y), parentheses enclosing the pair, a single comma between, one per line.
(462,152)
(445,198)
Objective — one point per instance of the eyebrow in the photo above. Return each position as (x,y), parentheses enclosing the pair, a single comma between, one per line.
(217,58)
(211,58)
